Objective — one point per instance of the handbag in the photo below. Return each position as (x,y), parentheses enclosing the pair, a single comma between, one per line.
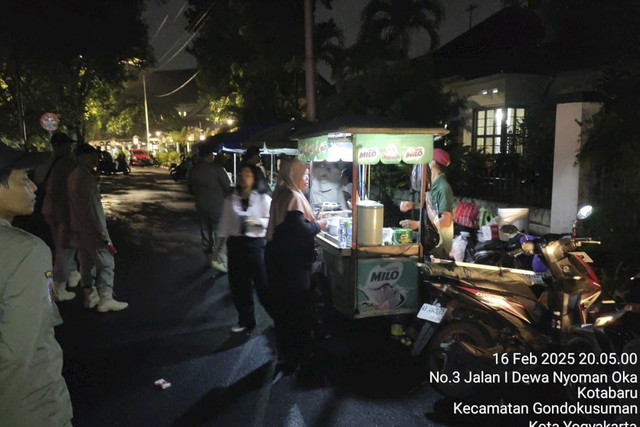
(467,214)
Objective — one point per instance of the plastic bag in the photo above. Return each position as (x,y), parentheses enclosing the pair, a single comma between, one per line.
(458,246)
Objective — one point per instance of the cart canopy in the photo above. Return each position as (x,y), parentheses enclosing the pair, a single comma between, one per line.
(368,141)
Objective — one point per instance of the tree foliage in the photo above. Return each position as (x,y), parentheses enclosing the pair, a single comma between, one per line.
(65,57)
(389,25)
(251,54)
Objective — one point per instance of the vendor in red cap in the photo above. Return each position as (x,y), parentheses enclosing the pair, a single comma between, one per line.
(440,193)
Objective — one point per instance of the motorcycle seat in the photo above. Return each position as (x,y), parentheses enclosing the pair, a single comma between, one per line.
(495,280)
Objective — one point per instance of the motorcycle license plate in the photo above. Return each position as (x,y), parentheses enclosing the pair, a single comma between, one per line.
(432,313)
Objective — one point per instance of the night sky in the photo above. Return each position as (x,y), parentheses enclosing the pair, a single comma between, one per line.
(167,26)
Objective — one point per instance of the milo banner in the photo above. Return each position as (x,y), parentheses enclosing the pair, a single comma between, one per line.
(313,149)
(387,285)
(371,148)
(393,149)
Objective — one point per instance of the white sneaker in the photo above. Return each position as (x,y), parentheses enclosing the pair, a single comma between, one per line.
(219,265)
(74,279)
(107,303)
(60,292)
(91,298)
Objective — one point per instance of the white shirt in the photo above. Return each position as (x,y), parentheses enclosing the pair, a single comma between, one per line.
(233,215)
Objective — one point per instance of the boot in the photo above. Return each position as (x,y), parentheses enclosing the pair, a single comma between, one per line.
(60,292)
(107,303)
(74,279)
(91,297)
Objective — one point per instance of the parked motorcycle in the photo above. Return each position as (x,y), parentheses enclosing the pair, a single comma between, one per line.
(478,311)
(180,171)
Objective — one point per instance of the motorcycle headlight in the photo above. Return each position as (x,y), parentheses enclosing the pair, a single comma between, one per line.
(608,318)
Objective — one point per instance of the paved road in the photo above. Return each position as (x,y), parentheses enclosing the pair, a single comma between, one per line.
(177,328)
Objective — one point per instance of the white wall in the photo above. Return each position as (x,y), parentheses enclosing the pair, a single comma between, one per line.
(570,134)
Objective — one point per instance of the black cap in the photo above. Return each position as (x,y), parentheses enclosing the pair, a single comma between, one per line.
(207,147)
(60,138)
(12,159)
(85,148)
(252,151)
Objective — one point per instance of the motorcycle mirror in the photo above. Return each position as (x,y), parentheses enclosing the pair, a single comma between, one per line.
(585,212)
(509,229)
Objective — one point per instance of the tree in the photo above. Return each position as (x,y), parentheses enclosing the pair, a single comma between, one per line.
(72,56)
(390,24)
(251,56)
(250,53)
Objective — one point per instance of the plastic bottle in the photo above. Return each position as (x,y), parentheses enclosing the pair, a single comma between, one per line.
(347,227)
(342,235)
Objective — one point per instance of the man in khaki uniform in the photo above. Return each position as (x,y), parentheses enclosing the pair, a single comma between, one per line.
(90,228)
(32,390)
(55,209)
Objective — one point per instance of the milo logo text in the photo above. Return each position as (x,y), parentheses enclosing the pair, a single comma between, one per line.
(414,153)
(368,154)
(385,273)
(384,276)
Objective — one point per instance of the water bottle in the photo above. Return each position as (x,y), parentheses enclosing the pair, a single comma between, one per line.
(342,235)
(347,227)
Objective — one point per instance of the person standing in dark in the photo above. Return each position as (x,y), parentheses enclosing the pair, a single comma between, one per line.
(210,185)
(32,389)
(89,224)
(55,209)
(243,226)
(289,254)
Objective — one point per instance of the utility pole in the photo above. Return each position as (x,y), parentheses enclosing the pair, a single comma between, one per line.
(146,109)
(470,10)
(309,61)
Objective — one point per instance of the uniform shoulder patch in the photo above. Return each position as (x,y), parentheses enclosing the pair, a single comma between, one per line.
(48,274)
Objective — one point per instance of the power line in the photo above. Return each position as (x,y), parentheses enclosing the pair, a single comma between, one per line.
(160,27)
(195,28)
(179,87)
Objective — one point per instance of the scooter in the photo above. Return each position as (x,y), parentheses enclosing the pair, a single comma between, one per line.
(478,311)
(180,171)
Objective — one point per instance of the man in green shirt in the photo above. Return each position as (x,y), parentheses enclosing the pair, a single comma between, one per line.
(441,199)
(32,389)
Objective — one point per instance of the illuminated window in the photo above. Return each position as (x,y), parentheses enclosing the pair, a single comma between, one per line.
(498,130)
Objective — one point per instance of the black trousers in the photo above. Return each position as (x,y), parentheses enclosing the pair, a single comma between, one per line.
(208,225)
(246,267)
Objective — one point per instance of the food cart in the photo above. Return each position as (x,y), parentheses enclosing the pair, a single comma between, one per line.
(366,277)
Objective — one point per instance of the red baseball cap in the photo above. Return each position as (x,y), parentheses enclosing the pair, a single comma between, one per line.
(441,156)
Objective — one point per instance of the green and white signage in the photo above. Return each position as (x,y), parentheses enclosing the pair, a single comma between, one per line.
(371,148)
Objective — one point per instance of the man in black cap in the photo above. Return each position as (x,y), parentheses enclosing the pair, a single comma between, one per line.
(32,389)
(210,184)
(89,225)
(55,209)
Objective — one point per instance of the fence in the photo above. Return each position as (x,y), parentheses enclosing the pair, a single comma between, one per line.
(509,187)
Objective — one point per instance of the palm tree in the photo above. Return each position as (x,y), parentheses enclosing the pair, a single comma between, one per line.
(329,47)
(391,23)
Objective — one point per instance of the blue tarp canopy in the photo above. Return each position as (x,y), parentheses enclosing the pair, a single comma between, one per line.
(232,141)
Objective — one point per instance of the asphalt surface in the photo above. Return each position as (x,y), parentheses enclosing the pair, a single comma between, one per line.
(177,327)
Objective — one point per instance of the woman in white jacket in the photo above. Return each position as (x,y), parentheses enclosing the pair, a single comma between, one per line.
(243,225)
